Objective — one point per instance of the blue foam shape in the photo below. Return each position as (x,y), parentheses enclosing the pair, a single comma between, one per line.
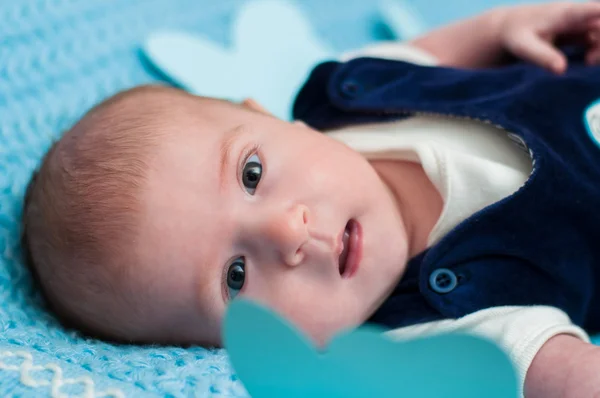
(402,19)
(273,359)
(273,50)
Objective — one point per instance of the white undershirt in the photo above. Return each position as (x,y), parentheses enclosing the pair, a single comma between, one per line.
(472,165)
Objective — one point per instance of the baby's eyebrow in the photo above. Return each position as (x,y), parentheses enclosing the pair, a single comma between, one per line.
(227,144)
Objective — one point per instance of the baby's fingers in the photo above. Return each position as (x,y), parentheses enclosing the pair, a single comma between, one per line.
(592,56)
(577,15)
(529,46)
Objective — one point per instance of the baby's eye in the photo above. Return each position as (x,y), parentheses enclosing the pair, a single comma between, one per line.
(236,275)
(251,173)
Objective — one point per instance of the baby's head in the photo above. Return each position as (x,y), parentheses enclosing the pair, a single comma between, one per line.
(158,207)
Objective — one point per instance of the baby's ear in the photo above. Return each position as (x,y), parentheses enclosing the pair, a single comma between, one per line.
(252,104)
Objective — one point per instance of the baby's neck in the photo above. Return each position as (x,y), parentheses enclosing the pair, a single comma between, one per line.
(419,202)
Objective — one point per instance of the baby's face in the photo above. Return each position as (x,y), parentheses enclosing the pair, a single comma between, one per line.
(241,204)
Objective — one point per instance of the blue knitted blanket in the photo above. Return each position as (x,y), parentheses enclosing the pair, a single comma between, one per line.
(57,59)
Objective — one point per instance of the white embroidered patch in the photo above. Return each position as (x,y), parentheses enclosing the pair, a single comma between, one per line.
(26,370)
(592,121)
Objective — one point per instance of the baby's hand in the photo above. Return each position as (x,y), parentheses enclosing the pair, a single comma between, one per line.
(530,32)
(565,367)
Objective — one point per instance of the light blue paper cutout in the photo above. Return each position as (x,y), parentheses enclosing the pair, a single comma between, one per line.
(402,19)
(273,359)
(273,50)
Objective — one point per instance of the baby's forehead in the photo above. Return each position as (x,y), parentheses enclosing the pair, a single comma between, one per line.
(150,103)
(161,113)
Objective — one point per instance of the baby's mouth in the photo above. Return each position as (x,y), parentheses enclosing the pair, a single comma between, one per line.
(351,253)
(344,254)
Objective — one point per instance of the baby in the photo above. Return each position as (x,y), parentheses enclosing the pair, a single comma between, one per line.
(159,207)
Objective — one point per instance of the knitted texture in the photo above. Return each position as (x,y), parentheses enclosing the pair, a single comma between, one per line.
(57,59)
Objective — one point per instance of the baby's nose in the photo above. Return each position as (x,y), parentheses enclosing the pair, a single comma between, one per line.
(288,232)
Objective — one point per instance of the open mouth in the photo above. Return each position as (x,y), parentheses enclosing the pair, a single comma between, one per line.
(352,249)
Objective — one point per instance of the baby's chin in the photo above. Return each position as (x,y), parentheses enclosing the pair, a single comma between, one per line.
(321,334)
